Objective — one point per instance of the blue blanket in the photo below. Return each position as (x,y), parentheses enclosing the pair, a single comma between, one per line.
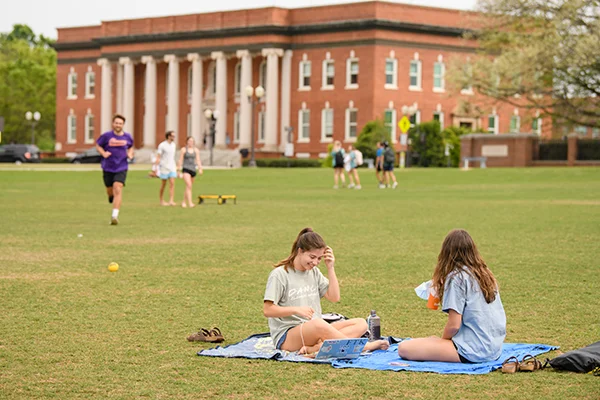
(260,346)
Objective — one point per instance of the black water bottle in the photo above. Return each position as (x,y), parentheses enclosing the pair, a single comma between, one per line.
(374,324)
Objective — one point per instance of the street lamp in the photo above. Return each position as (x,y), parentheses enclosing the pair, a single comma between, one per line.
(405,159)
(254,96)
(212,116)
(34,118)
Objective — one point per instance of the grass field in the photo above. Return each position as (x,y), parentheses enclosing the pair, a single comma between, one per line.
(71,329)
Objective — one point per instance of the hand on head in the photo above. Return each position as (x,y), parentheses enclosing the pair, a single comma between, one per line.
(329,257)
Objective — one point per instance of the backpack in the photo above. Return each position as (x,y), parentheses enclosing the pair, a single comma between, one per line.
(582,360)
(339,159)
(388,156)
(359,157)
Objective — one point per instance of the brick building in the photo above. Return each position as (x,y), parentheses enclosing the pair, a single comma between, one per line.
(326,72)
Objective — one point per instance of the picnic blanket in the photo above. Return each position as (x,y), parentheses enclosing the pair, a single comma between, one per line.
(260,346)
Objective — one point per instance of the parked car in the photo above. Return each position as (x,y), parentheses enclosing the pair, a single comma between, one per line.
(89,156)
(20,153)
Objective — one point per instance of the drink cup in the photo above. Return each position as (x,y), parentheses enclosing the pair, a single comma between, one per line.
(433,302)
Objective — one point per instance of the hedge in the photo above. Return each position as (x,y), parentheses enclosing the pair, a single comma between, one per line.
(286,163)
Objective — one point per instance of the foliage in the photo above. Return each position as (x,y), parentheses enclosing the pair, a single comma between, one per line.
(374,131)
(537,54)
(427,145)
(451,136)
(286,162)
(27,83)
(327,162)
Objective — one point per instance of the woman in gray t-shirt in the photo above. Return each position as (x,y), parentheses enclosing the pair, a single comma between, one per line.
(292,300)
(189,163)
(468,290)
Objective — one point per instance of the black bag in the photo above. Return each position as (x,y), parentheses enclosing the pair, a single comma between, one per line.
(581,360)
(339,159)
(388,156)
(333,317)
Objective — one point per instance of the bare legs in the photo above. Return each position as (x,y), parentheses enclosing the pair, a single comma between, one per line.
(338,173)
(309,337)
(117,191)
(187,195)
(163,183)
(428,349)
(356,178)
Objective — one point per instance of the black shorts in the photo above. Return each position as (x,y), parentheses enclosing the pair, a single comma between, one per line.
(379,169)
(189,171)
(462,359)
(388,166)
(112,177)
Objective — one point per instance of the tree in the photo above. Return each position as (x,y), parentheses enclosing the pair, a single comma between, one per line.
(373,132)
(27,83)
(539,55)
(427,145)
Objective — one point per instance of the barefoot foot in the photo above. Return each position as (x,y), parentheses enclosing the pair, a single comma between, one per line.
(377,345)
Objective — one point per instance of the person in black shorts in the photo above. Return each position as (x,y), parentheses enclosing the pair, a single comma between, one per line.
(379,165)
(189,163)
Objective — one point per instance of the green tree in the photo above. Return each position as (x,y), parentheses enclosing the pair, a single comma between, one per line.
(373,132)
(537,54)
(27,83)
(451,137)
(427,145)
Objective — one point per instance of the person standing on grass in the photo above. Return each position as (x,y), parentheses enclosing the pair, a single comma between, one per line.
(379,165)
(292,300)
(351,163)
(469,293)
(116,149)
(338,154)
(165,160)
(189,163)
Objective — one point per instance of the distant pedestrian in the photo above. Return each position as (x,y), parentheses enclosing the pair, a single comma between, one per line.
(389,158)
(338,154)
(116,149)
(351,163)
(189,164)
(379,165)
(165,159)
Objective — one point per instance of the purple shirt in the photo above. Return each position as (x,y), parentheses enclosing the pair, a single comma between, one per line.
(117,146)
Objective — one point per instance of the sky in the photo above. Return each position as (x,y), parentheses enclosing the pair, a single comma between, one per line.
(44,16)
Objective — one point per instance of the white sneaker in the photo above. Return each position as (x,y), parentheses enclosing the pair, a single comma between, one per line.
(395,185)
(350,186)
(335,186)
(381,186)
(114,221)
(358,187)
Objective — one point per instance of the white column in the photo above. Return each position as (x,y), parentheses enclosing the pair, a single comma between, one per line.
(119,88)
(173,103)
(271,97)
(196,106)
(221,97)
(245,106)
(105,93)
(150,102)
(128,93)
(286,90)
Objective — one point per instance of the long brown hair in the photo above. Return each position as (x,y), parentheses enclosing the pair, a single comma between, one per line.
(459,250)
(307,240)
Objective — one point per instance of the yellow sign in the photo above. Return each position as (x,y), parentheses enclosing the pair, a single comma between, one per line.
(404,124)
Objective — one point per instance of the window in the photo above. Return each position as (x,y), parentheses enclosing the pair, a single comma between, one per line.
(595,133)
(72,129)
(493,124)
(536,126)
(468,77)
(515,124)
(391,73)
(438,77)
(261,126)
(351,123)
(305,71)
(238,79)
(72,86)
(327,125)
(581,130)
(415,75)
(89,128)
(190,84)
(415,118)
(304,125)
(236,127)
(90,85)
(352,73)
(439,117)
(389,120)
(262,78)
(328,74)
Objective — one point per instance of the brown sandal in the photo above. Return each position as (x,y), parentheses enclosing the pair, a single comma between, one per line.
(510,365)
(204,335)
(216,335)
(530,364)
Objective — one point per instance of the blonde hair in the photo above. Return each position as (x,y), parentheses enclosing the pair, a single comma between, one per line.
(307,240)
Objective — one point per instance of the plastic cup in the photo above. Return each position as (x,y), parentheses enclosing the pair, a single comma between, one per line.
(433,302)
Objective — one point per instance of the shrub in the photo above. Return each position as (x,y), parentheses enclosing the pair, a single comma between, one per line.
(327,162)
(451,137)
(286,163)
(56,160)
(373,132)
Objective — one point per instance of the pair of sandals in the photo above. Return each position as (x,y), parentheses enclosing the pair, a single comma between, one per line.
(204,335)
(528,364)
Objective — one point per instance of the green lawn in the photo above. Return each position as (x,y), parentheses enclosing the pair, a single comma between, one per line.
(71,329)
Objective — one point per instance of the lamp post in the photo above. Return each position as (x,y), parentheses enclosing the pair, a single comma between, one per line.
(254,95)
(409,111)
(33,118)
(212,116)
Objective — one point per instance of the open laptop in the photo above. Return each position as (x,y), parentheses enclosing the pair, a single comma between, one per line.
(341,348)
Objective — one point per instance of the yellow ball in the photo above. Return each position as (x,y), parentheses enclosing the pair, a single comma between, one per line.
(113,267)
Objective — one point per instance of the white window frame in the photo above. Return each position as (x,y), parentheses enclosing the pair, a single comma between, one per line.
(595,133)
(442,77)
(261,126)
(538,130)
(324,112)
(417,116)
(418,75)
(72,130)
(579,130)
(302,124)
(348,138)
(72,85)
(393,123)
(302,76)
(90,82)
(349,63)
(394,84)
(190,82)
(517,125)
(89,127)
(440,115)
(493,129)
(237,82)
(325,85)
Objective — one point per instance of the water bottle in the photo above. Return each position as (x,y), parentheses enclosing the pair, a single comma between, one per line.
(374,324)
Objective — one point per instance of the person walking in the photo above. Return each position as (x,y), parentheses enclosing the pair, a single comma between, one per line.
(116,149)
(165,160)
(379,165)
(389,158)
(189,163)
(338,154)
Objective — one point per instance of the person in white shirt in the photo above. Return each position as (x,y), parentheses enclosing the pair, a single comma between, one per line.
(167,168)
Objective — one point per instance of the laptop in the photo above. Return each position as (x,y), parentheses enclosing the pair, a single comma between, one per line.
(341,348)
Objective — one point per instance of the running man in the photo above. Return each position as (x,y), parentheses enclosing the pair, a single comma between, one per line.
(116,149)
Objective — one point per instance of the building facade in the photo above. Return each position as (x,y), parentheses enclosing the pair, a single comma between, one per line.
(326,72)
